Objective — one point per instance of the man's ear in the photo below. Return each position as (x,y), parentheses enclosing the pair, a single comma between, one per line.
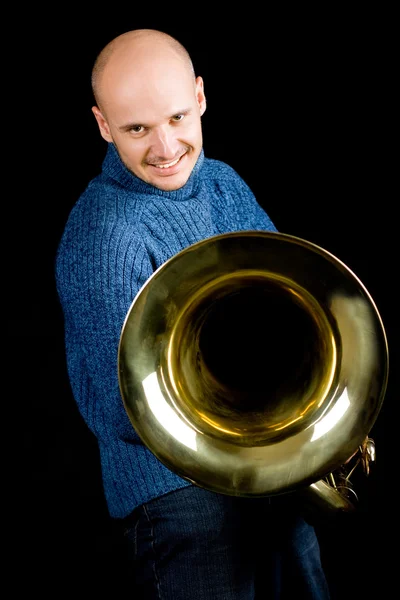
(201,99)
(102,123)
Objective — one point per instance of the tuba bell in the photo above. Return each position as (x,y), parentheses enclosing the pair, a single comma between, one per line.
(255,364)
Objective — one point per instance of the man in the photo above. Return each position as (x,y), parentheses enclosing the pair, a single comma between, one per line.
(156,195)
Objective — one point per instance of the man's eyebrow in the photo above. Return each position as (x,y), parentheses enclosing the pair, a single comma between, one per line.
(128,126)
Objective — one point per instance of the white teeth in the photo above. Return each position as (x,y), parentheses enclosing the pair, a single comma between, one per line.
(168,165)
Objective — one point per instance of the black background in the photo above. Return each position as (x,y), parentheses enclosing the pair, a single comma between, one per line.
(302,106)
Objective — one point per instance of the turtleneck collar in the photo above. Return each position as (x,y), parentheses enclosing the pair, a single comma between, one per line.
(114,168)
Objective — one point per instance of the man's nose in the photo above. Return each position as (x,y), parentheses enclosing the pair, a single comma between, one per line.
(164,142)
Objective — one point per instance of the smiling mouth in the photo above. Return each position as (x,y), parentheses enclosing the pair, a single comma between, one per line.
(168,165)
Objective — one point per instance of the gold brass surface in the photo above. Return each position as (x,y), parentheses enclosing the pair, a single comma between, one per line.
(254,363)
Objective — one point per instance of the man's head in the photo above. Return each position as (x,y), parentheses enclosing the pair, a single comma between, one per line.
(149,104)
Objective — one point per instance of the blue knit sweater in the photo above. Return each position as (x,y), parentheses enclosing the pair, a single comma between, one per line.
(120,230)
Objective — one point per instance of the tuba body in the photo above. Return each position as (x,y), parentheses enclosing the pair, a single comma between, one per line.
(255,364)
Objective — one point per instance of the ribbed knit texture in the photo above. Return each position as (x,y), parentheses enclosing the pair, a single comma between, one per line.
(120,230)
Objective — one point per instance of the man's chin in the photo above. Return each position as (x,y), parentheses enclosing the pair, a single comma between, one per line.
(170,184)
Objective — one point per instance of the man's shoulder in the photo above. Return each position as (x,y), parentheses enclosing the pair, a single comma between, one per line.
(100,210)
(101,194)
(218,168)
(223,176)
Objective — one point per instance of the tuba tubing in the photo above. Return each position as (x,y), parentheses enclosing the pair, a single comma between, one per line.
(255,364)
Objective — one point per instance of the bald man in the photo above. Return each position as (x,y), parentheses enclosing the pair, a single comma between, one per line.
(156,195)
(149,105)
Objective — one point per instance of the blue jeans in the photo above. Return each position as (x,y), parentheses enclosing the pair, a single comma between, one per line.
(193,544)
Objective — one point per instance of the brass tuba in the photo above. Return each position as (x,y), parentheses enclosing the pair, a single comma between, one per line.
(255,364)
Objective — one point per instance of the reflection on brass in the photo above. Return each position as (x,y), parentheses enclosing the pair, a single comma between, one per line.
(255,364)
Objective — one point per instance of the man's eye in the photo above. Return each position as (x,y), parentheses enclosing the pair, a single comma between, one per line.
(137,129)
(178,117)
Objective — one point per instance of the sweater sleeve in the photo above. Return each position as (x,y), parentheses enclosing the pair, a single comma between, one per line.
(101,265)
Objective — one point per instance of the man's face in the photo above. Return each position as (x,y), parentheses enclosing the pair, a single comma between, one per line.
(154,120)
